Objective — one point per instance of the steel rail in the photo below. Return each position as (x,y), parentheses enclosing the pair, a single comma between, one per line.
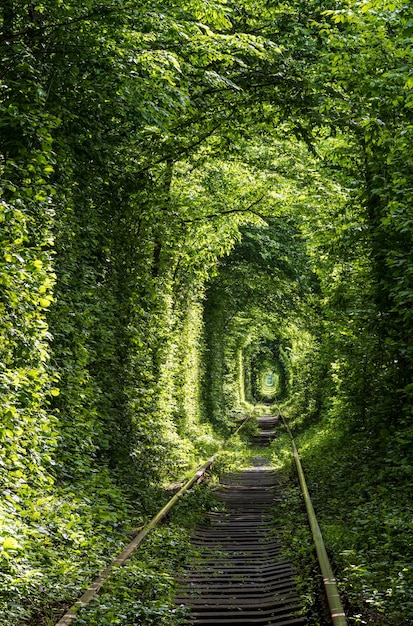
(236,431)
(337,613)
(94,588)
(86,598)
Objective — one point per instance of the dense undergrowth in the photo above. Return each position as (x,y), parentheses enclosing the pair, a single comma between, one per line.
(142,591)
(362,495)
(56,545)
(58,542)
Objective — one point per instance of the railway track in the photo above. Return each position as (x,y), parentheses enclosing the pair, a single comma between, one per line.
(266,430)
(241,576)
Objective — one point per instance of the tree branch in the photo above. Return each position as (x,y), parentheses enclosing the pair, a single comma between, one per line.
(229,211)
(186,149)
(8,36)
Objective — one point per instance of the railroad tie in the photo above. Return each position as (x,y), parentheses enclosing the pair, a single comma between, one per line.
(241,576)
(266,430)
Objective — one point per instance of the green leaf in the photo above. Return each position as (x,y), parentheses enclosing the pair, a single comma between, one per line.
(10,544)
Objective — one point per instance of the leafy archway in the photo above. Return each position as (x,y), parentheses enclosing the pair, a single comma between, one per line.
(194,197)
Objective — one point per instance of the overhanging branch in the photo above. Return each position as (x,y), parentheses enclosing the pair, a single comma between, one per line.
(248,209)
(37,31)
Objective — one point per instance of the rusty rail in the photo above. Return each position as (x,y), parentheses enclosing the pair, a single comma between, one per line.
(91,592)
(86,598)
(337,613)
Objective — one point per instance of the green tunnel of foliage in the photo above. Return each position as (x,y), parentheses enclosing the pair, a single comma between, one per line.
(193,196)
